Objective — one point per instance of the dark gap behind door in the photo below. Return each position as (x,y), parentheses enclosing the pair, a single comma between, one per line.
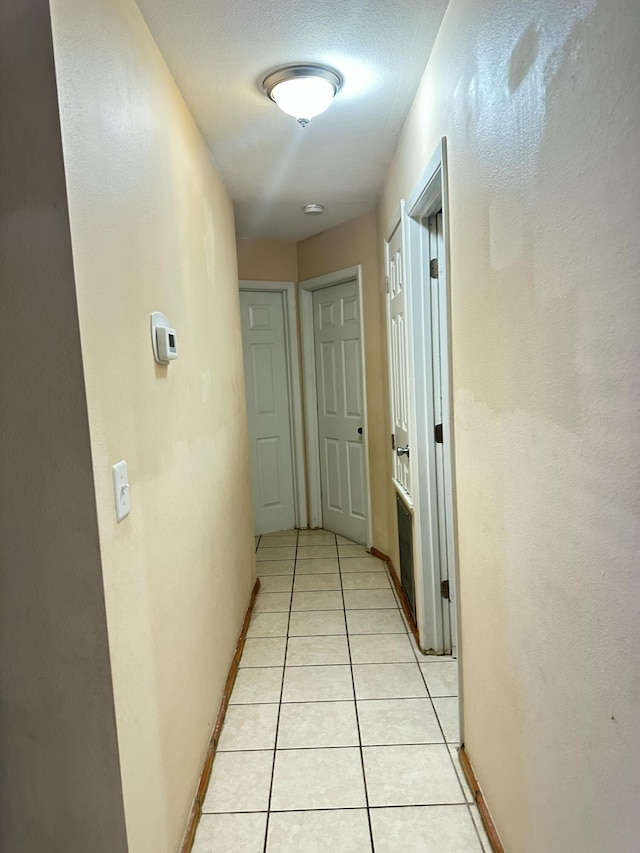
(405,538)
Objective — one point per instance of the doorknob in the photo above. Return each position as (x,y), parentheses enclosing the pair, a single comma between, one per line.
(359,430)
(402,451)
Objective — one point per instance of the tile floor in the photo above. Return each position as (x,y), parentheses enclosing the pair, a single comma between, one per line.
(340,735)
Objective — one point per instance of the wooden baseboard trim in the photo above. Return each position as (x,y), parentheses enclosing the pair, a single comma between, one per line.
(196,809)
(401,593)
(485,814)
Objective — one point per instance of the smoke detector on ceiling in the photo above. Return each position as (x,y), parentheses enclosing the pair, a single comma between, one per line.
(313,209)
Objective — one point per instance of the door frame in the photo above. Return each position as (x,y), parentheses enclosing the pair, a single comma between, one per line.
(288,291)
(311,395)
(430,195)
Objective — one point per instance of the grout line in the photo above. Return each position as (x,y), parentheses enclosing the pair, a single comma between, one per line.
(284,669)
(355,702)
(338,746)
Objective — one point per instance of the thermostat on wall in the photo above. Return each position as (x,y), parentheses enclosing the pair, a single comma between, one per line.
(163,339)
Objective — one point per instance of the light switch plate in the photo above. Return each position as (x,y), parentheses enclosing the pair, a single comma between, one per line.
(121,489)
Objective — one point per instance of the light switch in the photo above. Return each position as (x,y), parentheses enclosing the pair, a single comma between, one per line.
(121,489)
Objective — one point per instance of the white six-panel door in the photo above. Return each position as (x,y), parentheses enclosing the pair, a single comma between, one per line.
(398,363)
(268,410)
(339,383)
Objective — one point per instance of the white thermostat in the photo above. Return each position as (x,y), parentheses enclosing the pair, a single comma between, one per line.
(163,339)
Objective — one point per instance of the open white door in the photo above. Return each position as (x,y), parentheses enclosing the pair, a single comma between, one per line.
(398,363)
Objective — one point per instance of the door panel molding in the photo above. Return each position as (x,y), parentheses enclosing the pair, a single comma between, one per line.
(288,291)
(307,288)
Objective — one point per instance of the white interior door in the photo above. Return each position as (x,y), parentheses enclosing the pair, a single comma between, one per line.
(339,382)
(268,410)
(398,363)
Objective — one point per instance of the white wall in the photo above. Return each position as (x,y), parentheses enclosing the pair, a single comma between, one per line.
(152,230)
(539,103)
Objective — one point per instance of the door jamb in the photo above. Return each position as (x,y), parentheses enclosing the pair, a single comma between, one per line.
(429,195)
(288,291)
(310,389)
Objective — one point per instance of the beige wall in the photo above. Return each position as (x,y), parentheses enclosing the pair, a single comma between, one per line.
(539,103)
(152,229)
(59,772)
(356,242)
(267,260)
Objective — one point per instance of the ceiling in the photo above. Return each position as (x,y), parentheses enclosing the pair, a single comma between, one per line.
(219,51)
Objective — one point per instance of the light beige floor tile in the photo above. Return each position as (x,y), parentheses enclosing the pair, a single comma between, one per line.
(323,600)
(342,540)
(361,564)
(448,711)
(352,551)
(318,779)
(398,721)
(315,531)
(317,724)
(282,553)
(317,684)
(312,552)
(284,540)
(268,625)
(365,580)
(264,651)
(482,832)
(276,583)
(317,623)
(427,829)
(249,727)
(410,775)
(310,651)
(226,832)
(388,681)
(239,782)
(453,752)
(369,599)
(442,679)
(319,538)
(375,622)
(272,602)
(381,648)
(275,567)
(260,685)
(319,831)
(316,581)
(322,565)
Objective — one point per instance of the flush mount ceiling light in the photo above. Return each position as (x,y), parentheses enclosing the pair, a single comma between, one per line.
(302,91)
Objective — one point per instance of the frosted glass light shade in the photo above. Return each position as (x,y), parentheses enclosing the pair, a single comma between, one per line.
(302,91)
(303,97)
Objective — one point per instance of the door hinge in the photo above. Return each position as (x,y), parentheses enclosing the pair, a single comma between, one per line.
(433,268)
(438,433)
(444,590)
(386,283)
(393,441)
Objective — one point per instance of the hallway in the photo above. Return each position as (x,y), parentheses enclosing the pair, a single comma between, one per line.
(340,735)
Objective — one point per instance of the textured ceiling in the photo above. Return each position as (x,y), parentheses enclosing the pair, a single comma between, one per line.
(219,51)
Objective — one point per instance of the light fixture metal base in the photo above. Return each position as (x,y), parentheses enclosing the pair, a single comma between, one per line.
(291,72)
